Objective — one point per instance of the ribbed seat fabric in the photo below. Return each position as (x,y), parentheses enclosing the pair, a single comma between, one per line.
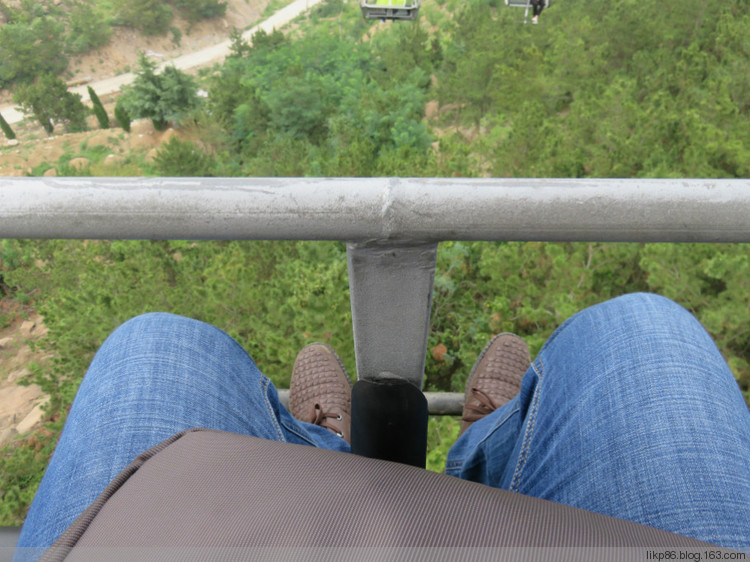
(204,494)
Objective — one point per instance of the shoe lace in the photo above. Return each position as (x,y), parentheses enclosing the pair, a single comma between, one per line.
(478,405)
(321,418)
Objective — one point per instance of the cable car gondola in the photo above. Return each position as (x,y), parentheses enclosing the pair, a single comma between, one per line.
(390,9)
(524,4)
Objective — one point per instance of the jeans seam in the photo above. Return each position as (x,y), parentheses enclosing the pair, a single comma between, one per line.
(264,382)
(459,464)
(515,484)
(300,435)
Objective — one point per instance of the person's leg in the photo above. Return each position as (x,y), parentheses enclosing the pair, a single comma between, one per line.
(629,410)
(155,376)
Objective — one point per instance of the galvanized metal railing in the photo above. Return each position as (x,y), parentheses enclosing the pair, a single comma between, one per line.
(391,226)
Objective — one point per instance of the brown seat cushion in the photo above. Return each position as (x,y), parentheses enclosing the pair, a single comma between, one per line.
(204,494)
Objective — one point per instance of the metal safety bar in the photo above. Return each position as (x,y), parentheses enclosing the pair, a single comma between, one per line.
(438,403)
(392,227)
(376,209)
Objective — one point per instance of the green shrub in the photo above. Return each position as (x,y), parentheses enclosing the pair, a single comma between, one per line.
(122,116)
(151,17)
(328,8)
(442,432)
(7,131)
(196,10)
(98,108)
(87,28)
(30,49)
(178,158)
(49,100)
(161,97)
(176,35)
(22,465)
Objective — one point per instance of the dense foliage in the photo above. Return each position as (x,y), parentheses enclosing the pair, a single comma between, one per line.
(50,102)
(148,16)
(321,105)
(87,27)
(31,42)
(152,17)
(161,97)
(196,10)
(611,89)
(624,88)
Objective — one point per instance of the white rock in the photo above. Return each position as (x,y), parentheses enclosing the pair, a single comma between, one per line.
(34,417)
(27,327)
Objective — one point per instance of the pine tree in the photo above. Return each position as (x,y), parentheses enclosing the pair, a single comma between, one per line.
(151,17)
(99,111)
(161,97)
(122,116)
(9,134)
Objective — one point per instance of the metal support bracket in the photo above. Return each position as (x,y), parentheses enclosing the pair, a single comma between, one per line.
(391,296)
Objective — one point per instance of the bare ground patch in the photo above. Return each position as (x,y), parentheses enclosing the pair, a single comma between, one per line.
(20,406)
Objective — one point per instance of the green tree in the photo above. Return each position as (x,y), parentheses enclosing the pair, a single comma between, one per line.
(151,17)
(262,40)
(49,100)
(238,47)
(161,97)
(7,131)
(122,116)
(181,158)
(24,11)
(87,28)
(328,8)
(299,106)
(30,49)
(319,105)
(196,10)
(230,89)
(98,108)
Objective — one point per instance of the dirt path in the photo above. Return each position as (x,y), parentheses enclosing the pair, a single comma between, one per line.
(20,406)
(189,61)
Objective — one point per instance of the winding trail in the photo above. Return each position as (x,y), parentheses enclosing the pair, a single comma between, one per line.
(208,55)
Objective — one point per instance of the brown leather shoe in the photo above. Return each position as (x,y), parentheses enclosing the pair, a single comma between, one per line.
(495,377)
(320,390)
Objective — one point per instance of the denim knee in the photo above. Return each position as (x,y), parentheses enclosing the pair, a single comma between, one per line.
(642,309)
(162,340)
(636,339)
(154,322)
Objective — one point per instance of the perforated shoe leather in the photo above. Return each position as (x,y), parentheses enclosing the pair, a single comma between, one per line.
(320,390)
(495,378)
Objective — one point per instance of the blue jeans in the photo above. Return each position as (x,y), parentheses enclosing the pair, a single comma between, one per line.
(629,410)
